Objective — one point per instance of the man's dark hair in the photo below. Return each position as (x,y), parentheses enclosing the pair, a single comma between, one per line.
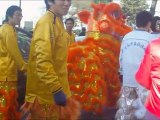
(83,29)
(4,21)
(47,3)
(154,21)
(10,11)
(142,18)
(69,19)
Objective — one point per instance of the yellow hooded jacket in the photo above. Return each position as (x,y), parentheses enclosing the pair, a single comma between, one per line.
(10,58)
(47,66)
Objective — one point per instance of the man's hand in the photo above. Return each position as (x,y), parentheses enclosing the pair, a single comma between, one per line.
(60,98)
(121,78)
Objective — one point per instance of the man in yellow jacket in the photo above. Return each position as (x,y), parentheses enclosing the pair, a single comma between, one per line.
(47,83)
(10,61)
(69,27)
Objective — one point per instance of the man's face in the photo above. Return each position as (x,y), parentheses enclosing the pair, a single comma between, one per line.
(16,18)
(61,7)
(69,25)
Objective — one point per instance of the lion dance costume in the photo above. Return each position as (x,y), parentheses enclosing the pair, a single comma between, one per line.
(93,63)
(10,61)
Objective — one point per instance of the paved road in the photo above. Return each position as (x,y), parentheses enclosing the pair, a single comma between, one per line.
(108,114)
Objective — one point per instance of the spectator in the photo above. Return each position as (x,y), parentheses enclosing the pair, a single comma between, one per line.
(149,77)
(131,54)
(83,32)
(155,27)
(69,27)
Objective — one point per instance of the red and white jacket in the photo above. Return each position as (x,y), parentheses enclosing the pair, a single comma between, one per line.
(148,75)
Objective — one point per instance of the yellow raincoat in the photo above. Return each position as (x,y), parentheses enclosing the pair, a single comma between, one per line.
(10,58)
(47,66)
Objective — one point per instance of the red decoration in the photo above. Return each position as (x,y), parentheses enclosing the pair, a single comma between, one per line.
(93,63)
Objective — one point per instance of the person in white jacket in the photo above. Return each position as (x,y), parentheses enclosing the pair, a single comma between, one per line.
(131,53)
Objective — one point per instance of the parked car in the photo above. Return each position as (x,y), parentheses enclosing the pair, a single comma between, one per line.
(24,39)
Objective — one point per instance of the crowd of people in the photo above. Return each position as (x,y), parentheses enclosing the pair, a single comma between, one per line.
(47,88)
(139,67)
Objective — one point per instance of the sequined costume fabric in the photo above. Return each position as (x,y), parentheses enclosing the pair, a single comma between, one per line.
(8,101)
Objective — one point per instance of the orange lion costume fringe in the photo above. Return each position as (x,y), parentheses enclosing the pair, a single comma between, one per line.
(93,63)
(8,101)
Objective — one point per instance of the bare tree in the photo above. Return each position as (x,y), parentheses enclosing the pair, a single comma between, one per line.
(153,6)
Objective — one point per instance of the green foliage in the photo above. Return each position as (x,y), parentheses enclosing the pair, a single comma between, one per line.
(131,7)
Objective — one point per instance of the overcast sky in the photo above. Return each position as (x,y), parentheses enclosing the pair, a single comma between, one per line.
(32,9)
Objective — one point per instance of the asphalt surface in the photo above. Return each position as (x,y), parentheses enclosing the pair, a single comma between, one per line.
(108,114)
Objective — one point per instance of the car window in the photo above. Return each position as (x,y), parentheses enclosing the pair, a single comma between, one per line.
(24,39)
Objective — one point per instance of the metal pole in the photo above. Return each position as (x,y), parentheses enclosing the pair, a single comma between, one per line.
(20,7)
(20,3)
